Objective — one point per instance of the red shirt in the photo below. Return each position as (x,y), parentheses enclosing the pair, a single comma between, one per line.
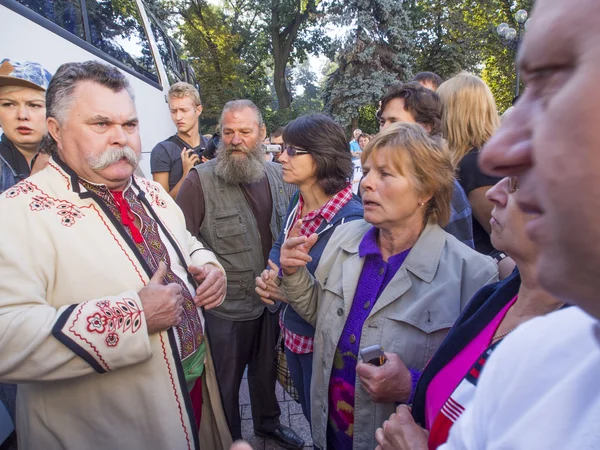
(296,343)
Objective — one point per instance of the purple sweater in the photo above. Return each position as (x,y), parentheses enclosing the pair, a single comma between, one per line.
(374,277)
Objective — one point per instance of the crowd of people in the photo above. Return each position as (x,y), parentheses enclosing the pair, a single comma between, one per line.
(130,309)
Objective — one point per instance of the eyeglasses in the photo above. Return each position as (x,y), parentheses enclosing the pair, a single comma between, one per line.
(513,185)
(292,151)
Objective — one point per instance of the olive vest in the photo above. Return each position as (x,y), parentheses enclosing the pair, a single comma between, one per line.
(229,228)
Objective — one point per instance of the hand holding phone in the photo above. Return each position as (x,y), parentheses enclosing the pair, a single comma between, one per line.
(373,355)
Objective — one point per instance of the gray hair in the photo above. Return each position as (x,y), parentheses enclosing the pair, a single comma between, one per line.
(59,95)
(238,105)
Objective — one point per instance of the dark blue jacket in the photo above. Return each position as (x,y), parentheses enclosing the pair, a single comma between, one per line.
(352,210)
(485,305)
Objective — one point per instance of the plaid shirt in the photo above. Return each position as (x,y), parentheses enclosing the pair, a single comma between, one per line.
(296,343)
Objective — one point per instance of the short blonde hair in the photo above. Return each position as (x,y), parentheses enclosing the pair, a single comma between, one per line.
(9,89)
(183,89)
(470,116)
(424,159)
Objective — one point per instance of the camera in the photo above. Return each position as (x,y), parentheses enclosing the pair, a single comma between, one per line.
(272,148)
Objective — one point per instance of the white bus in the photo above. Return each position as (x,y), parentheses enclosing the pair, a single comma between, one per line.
(123,33)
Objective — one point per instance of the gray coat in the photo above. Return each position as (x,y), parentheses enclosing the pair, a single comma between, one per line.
(411,317)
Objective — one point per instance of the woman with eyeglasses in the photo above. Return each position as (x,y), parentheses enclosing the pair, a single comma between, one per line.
(448,383)
(392,285)
(316,158)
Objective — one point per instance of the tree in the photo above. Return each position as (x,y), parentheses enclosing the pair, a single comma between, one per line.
(292,38)
(445,42)
(376,53)
(227,67)
(457,35)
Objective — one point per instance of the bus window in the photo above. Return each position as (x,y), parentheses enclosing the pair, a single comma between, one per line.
(165,49)
(116,29)
(66,14)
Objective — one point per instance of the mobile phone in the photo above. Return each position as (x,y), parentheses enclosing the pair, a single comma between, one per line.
(272,148)
(373,355)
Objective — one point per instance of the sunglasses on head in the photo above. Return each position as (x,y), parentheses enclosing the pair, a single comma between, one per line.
(513,185)
(291,150)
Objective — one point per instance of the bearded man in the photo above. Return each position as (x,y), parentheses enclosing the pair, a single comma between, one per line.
(235,205)
(101,288)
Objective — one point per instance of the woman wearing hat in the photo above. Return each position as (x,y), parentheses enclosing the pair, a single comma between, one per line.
(22,118)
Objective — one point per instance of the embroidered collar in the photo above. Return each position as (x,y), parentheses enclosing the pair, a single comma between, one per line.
(77,182)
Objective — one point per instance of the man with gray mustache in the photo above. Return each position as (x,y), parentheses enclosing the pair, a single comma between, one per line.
(103,290)
(235,205)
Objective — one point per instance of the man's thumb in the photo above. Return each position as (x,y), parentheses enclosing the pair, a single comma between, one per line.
(160,274)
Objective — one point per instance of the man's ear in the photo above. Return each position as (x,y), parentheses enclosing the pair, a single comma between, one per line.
(198,110)
(263,133)
(54,130)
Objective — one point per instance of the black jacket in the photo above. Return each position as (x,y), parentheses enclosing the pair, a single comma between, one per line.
(480,311)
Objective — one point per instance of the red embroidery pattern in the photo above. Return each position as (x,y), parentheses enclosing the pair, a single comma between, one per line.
(153,250)
(112,339)
(124,316)
(92,346)
(60,172)
(110,230)
(162,342)
(23,187)
(40,202)
(154,193)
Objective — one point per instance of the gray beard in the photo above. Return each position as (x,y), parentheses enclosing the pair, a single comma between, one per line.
(239,169)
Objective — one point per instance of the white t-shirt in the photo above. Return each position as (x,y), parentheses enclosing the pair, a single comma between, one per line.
(540,389)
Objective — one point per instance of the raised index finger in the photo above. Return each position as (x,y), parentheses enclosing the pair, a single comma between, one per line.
(295,231)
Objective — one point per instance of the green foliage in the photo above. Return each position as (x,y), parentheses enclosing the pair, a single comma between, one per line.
(457,35)
(226,67)
(376,53)
(258,49)
(367,120)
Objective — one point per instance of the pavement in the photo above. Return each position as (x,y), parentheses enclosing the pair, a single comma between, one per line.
(291,416)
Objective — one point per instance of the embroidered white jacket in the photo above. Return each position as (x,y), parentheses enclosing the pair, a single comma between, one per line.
(72,327)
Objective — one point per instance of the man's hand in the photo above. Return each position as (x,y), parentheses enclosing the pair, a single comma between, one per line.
(401,432)
(294,251)
(267,287)
(163,304)
(388,383)
(212,285)
(189,159)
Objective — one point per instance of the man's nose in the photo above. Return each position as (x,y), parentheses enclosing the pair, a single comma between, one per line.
(237,139)
(509,151)
(118,136)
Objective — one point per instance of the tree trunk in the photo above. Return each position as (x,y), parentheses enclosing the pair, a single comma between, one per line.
(284,96)
(283,42)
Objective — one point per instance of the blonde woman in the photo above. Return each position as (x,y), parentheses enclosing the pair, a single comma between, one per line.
(395,279)
(469,119)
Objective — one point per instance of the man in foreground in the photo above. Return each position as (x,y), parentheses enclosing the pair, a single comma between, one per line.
(235,204)
(549,398)
(101,287)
